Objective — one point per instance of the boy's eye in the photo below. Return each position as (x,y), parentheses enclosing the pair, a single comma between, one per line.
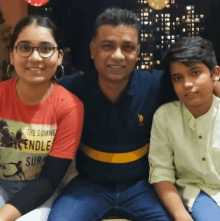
(176,78)
(195,73)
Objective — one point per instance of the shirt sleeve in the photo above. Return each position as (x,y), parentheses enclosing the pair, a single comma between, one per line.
(69,127)
(160,156)
(38,191)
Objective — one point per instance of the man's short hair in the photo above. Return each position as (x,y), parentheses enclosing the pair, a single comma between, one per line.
(189,51)
(116,17)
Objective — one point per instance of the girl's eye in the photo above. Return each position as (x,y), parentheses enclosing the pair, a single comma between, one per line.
(24,48)
(46,49)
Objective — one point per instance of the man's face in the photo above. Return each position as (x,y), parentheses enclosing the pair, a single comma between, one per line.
(194,85)
(114,51)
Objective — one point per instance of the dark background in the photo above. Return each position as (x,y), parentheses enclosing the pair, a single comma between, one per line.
(76,18)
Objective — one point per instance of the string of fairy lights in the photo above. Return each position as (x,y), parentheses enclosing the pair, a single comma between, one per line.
(155,4)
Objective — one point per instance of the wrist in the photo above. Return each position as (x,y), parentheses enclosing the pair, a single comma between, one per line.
(9,213)
(180,213)
(184,215)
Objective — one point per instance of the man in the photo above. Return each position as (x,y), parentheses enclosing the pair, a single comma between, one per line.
(119,105)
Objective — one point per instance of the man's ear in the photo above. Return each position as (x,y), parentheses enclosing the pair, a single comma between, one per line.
(92,48)
(138,51)
(216,73)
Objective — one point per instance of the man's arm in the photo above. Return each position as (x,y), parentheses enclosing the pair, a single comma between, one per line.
(169,196)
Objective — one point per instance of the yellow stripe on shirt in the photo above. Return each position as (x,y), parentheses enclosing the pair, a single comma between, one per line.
(114,157)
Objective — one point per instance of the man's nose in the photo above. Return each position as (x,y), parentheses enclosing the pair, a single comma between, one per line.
(117,54)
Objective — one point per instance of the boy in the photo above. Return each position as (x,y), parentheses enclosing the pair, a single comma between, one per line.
(184,152)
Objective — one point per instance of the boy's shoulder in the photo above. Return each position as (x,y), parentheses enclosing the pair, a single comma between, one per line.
(170,108)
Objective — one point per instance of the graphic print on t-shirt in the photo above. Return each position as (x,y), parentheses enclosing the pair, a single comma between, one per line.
(9,139)
(23,148)
(19,172)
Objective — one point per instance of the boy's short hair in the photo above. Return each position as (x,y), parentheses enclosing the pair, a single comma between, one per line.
(189,51)
(116,17)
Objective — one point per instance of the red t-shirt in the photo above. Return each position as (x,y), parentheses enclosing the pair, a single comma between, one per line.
(28,133)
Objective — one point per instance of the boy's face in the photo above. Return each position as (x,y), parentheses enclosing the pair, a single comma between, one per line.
(194,85)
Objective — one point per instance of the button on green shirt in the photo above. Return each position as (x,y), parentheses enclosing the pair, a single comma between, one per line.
(186,151)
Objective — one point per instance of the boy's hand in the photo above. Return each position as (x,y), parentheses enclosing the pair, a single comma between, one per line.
(172,201)
(184,217)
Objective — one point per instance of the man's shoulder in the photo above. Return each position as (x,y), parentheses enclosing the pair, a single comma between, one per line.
(149,73)
(72,78)
(148,76)
(148,79)
(76,81)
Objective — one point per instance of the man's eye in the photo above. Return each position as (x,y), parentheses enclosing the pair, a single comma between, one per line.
(129,48)
(107,46)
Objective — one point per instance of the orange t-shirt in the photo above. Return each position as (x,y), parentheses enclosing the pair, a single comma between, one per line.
(29,133)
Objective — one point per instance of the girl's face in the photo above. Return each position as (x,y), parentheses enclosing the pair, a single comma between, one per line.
(35,69)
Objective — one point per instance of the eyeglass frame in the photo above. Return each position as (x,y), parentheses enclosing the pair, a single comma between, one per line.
(37,48)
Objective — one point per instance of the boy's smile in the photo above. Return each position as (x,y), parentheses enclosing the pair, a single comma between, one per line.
(194,85)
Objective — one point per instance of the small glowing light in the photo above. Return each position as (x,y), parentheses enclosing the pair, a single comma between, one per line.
(36,3)
(158,4)
(188,7)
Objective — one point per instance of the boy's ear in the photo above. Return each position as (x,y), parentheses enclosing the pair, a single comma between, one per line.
(216,73)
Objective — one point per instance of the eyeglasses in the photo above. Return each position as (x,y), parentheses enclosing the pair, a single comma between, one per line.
(45,51)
